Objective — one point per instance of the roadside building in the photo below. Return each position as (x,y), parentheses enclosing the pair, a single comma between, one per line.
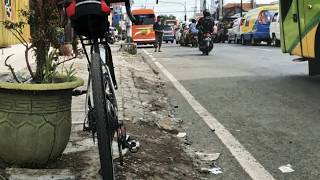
(232,9)
(116,14)
(9,10)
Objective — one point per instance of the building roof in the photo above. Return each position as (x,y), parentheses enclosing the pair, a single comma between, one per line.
(245,6)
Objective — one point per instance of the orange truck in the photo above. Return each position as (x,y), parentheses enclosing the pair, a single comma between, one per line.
(142,30)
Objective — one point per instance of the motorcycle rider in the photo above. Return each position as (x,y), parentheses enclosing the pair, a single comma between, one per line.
(205,24)
(193,30)
(193,27)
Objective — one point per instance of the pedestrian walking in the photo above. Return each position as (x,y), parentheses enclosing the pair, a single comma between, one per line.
(158,27)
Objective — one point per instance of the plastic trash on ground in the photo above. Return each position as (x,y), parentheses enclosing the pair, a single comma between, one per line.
(215,170)
(181,134)
(286,168)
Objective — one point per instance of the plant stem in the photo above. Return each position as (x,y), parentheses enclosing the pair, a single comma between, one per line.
(11,69)
(26,54)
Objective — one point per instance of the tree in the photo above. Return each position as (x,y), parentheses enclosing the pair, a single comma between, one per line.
(168,17)
(43,19)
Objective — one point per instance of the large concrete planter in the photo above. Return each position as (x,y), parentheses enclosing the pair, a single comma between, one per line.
(35,122)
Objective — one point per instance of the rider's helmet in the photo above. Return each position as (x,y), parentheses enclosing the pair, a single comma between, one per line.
(206,13)
(193,21)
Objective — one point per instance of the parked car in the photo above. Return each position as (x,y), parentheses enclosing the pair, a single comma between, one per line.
(168,34)
(234,31)
(275,30)
(257,24)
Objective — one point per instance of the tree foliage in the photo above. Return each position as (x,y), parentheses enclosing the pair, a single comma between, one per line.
(44,20)
(168,17)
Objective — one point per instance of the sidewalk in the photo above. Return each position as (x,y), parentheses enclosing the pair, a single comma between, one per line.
(145,110)
(17,60)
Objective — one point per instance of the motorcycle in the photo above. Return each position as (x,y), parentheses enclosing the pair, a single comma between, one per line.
(206,44)
(194,40)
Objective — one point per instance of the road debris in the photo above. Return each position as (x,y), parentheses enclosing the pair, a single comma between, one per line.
(188,142)
(286,168)
(181,135)
(215,170)
(207,157)
(167,124)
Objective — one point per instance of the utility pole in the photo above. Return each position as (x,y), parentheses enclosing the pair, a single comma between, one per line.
(203,5)
(241,9)
(185,10)
(253,3)
(195,8)
(221,9)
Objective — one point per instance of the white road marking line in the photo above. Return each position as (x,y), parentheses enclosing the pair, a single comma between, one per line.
(151,56)
(261,49)
(254,169)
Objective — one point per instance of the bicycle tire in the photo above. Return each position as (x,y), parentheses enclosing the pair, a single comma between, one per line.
(103,128)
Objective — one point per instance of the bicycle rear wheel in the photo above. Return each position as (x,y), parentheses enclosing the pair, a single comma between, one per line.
(104,128)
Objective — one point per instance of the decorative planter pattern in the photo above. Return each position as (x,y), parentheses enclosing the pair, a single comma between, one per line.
(35,125)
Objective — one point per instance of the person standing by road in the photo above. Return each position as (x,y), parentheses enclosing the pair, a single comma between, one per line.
(158,27)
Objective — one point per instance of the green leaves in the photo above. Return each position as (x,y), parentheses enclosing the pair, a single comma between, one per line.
(50,70)
(70,73)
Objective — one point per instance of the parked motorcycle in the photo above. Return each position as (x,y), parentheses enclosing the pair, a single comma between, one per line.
(206,43)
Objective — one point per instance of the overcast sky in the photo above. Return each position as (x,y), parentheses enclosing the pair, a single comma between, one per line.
(176,7)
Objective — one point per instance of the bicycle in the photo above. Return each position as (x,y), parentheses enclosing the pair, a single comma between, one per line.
(101,103)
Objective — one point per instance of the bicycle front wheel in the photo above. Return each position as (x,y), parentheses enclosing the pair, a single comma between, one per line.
(103,126)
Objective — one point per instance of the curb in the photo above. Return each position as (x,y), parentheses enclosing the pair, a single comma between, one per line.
(148,60)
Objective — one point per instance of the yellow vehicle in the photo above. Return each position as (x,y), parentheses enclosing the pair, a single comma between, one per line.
(300,31)
(256,25)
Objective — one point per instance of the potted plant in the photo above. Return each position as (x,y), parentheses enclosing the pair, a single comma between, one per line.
(35,116)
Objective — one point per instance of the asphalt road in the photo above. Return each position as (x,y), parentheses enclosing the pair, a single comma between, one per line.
(266,101)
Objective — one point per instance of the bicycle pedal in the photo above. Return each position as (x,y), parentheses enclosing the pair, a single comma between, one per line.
(135,146)
(132,144)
